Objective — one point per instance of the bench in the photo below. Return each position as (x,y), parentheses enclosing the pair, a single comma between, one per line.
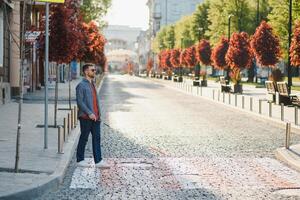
(285,97)
(225,87)
(271,89)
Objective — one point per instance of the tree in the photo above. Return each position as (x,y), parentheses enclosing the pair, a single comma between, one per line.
(295,46)
(239,55)
(183,38)
(94,10)
(265,45)
(169,39)
(279,20)
(158,43)
(219,53)
(200,22)
(190,56)
(218,13)
(183,62)
(203,54)
(175,58)
(149,66)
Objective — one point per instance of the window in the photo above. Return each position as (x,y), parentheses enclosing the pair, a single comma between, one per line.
(1,38)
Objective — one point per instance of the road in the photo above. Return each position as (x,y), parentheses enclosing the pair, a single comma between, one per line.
(165,144)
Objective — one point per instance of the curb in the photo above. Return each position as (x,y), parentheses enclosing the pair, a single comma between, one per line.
(289,156)
(55,179)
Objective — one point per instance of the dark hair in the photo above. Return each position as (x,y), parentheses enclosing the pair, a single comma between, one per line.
(86,66)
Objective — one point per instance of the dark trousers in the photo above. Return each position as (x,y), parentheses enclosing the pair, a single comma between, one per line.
(87,127)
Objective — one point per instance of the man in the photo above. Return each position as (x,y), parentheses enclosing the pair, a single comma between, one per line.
(89,117)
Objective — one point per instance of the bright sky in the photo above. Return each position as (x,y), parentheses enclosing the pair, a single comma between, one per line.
(134,13)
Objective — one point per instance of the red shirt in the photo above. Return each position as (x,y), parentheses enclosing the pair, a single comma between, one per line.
(95,104)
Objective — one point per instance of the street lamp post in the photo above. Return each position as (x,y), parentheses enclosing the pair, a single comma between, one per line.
(257,14)
(289,67)
(229,34)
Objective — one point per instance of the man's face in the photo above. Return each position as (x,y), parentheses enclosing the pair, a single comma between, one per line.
(91,71)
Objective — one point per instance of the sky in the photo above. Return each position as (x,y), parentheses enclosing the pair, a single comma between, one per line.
(134,13)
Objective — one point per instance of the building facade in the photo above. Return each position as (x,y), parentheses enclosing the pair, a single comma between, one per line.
(165,12)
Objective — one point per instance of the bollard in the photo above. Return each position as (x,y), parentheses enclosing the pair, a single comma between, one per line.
(270,109)
(251,103)
(229,98)
(201,90)
(259,106)
(69,123)
(213,91)
(296,115)
(282,112)
(65,129)
(218,95)
(235,101)
(223,97)
(198,91)
(60,140)
(243,101)
(75,116)
(72,118)
(287,135)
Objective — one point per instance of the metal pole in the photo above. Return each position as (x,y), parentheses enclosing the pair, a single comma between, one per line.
(46,77)
(60,140)
(218,95)
(287,135)
(296,115)
(270,109)
(229,98)
(65,129)
(251,103)
(259,106)
(243,102)
(69,124)
(213,94)
(289,69)
(223,97)
(235,101)
(282,112)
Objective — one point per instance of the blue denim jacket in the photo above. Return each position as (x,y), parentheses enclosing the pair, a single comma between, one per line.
(84,98)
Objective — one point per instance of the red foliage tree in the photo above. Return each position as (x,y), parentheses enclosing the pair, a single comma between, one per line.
(203,52)
(164,58)
(295,46)
(183,62)
(219,53)
(175,58)
(239,53)
(149,65)
(265,45)
(190,56)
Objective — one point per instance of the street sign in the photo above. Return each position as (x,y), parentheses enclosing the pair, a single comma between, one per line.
(52,1)
(31,36)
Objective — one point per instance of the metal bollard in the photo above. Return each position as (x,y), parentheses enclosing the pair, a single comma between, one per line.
(251,103)
(60,140)
(259,106)
(287,135)
(69,123)
(235,101)
(75,116)
(213,91)
(72,118)
(229,98)
(270,109)
(243,101)
(223,97)
(296,115)
(201,90)
(282,112)
(198,91)
(65,129)
(219,95)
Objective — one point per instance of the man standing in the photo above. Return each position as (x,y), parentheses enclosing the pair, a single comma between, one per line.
(89,117)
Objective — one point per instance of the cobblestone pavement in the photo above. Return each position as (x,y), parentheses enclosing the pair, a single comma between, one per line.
(164,144)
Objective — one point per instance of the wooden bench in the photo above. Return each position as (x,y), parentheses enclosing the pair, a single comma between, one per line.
(285,97)
(271,89)
(225,87)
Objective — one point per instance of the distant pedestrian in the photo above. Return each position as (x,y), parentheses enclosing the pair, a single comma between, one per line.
(89,117)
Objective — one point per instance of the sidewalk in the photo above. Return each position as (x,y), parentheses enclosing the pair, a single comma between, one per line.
(212,92)
(40,169)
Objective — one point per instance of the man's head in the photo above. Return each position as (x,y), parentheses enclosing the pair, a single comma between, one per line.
(89,70)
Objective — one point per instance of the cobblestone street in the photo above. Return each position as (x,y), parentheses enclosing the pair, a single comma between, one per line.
(165,144)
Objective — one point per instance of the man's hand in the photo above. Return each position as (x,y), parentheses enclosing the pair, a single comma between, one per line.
(92,117)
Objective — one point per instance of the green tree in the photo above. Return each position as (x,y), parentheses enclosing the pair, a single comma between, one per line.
(242,20)
(200,22)
(183,37)
(169,39)
(158,43)
(95,10)
(279,19)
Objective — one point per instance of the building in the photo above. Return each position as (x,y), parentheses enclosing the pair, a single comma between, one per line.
(143,50)
(165,12)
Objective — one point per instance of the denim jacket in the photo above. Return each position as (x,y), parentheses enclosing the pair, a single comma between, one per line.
(84,98)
